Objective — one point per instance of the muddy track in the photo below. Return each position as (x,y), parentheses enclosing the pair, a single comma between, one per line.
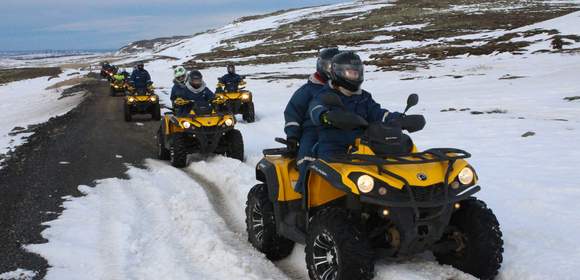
(89,143)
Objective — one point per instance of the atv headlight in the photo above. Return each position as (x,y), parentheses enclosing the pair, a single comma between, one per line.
(229,122)
(186,125)
(466,176)
(131,99)
(365,183)
(153,98)
(245,96)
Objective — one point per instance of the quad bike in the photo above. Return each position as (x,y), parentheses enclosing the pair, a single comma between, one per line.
(118,85)
(238,102)
(141,102)
(108,72)
(201,130)
(382,199)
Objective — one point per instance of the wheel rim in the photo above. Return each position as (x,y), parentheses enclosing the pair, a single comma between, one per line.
(258,222)
(325,257)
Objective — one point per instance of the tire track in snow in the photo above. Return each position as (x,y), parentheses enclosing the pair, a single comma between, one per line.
(218,201)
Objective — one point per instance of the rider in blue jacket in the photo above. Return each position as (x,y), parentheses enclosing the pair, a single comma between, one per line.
(194,89)
(301,134)
(347,76)
(140,77)
(231,80)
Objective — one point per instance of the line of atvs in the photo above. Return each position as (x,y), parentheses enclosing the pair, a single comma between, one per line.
(384,199)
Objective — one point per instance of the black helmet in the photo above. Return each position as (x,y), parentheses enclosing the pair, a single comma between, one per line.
(195,78)
(347,71)
(231,69)
(140,65)
(324,62)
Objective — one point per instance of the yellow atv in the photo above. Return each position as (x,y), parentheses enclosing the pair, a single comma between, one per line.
(238,102)
(383,199)
(193,129)
(141,102)
(118,85)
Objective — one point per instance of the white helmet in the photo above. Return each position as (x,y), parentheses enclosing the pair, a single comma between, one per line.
(179,73)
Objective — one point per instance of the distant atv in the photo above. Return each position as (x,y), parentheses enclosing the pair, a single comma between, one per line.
(141,102)
(108,72)
(382,199)
(237,102)
(118,85)
(201,130)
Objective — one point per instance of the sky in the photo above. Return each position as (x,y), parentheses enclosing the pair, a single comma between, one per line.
(108,24)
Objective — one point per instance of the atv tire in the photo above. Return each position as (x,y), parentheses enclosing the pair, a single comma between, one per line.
(337,249)
(162,152)
(477,229)
(127,112)
(112,90)
(156,112)
(235,144)
(261,226)
(249,114)
(178,155)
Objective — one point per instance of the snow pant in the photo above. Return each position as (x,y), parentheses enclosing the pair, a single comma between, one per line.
(305,157)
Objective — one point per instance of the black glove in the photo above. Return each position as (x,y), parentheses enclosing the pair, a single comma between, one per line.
(324,119)
(292,145)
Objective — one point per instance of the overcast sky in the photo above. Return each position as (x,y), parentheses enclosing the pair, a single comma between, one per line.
(108,24)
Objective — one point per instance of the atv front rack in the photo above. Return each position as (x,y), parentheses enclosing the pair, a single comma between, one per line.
(428,156)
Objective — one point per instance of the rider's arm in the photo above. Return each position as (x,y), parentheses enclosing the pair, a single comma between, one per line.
(316,108)
(209,95)
(295,112)
(173,93)
(378,114)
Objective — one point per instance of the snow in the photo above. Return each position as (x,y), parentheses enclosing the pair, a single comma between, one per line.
(18,274)
(205,42)
(189,224)
(158,225)
(29,102)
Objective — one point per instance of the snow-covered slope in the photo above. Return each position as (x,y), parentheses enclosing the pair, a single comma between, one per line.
(166,223)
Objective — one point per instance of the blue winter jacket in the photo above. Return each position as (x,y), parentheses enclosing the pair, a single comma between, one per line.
(296,113)
(140,78)
(231,82)
(331,140)
(202,98)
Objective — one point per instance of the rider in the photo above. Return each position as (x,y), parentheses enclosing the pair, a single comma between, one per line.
(231,80)
(140,78)
(347,76)
(299,128)
(125,74)
(195,90)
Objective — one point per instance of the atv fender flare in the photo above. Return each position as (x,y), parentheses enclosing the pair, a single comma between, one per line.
(266,173)
(331,175)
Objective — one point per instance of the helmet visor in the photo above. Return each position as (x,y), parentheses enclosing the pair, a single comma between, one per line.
(180,79)
(350,72)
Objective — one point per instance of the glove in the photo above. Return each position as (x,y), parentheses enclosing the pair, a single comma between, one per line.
(292,145)
(324,119)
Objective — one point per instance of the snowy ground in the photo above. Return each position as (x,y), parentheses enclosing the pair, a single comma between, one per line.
(30,102)
(168,223)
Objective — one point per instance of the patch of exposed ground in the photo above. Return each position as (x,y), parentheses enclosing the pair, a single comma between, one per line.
(17,74)
(298,40)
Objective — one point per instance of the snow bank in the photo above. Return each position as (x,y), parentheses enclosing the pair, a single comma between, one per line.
(157,225)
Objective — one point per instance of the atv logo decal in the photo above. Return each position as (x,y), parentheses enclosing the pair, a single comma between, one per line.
(422,176)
